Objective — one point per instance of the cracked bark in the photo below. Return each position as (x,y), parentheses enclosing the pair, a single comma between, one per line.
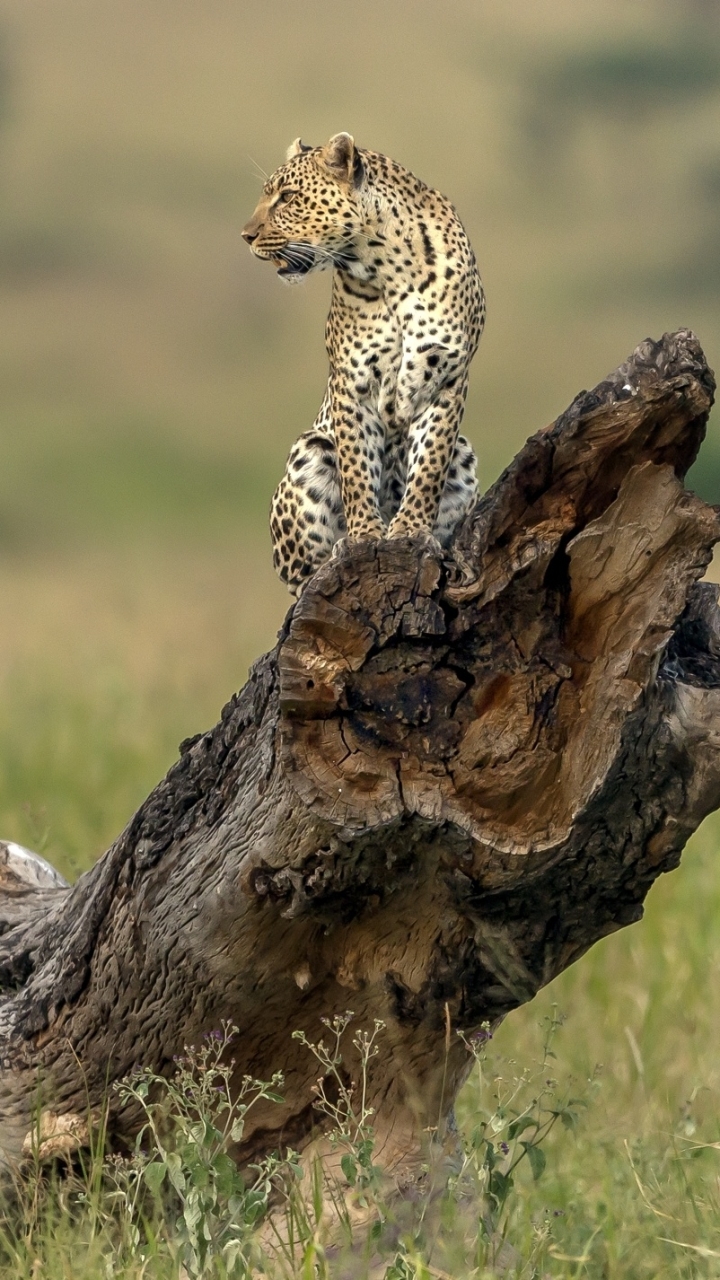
(445,783)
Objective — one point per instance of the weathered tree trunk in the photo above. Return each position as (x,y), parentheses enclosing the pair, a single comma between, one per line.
(446,782)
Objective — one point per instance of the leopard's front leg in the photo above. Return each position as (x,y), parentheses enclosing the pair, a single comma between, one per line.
(431,443)
(360,441)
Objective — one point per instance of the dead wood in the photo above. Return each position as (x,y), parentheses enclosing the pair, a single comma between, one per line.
(445,783)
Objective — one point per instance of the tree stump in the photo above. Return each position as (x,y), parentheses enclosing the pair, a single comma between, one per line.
(447,781)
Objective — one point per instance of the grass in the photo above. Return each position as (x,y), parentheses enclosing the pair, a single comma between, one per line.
(152,377)
(553,1180)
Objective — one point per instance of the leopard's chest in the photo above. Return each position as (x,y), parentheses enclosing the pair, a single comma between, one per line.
(365,346)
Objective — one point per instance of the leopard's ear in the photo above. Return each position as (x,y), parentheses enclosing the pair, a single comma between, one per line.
(341,157)
(296,148)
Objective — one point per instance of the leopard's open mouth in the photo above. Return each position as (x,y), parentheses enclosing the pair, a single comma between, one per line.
(294,261)
(294,269)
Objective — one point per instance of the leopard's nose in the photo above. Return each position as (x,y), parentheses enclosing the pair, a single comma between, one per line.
(249,233)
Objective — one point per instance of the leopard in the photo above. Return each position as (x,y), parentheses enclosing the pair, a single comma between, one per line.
(384,458)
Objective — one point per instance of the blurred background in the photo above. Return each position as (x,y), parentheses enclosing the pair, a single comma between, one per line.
(153,374)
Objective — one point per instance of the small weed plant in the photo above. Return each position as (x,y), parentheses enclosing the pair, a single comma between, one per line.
(343,1101)
(508,1122)
(333,1205)
(189,1124)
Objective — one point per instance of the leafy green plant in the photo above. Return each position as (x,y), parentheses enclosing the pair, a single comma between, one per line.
(189,1124)
(507,1129)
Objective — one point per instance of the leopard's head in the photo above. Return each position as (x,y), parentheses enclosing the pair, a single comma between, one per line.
(310,213)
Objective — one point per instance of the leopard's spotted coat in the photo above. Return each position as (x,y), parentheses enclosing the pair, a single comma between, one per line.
(384,458)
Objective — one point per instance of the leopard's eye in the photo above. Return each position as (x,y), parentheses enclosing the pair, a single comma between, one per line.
(285,197)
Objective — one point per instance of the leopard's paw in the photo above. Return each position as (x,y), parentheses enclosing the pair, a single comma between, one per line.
(421,538)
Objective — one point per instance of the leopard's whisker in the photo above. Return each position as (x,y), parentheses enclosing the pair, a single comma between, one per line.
(258,168)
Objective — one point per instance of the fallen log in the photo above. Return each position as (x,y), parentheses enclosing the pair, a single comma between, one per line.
(446,782)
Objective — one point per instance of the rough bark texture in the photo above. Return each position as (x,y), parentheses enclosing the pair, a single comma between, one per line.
(446,782)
